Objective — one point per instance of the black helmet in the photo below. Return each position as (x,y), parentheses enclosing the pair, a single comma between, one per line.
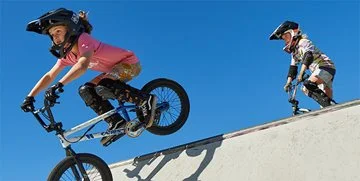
(282,28)
(287,27)
(56,17)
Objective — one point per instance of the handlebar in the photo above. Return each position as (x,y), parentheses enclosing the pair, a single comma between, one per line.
(47,113)
(305,76)
(293,88)
(59,90)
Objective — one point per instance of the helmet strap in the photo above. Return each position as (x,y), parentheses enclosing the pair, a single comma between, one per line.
(290,47)
(60,51)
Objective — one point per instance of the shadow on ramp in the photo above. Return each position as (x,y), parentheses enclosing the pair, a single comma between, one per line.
(193,149)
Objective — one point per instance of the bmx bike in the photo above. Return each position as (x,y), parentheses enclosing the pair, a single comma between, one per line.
(292,98)
(317,95)
(171,113)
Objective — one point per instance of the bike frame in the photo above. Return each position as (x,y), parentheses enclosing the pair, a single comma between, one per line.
(66,141)
(63,135)
(292,98)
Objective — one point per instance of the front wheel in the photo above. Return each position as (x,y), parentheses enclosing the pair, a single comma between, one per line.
(173,106)
(68,169)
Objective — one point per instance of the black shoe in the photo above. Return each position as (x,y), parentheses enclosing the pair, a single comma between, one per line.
(112,126)
(147,108)
(320,98)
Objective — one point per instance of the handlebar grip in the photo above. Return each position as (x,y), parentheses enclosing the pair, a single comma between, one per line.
(59,90)
(305,76)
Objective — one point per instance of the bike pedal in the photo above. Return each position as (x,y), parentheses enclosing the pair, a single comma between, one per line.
(113,139)
(134,128)
(107,143)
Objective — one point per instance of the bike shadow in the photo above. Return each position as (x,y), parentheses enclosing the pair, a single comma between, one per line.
(193,149)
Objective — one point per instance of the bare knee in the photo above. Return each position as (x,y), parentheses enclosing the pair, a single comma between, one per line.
(328,92)
(305,90)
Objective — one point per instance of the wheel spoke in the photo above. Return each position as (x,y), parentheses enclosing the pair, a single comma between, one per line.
(166,94)
(92,172)
(175,115)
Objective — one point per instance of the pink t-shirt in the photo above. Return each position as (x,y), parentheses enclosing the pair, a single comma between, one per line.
(104,58)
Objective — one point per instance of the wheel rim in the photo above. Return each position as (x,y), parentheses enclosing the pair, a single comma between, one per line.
(168,97)
(92,172)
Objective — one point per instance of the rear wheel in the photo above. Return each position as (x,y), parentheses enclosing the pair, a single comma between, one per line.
(173,106)
(95,168)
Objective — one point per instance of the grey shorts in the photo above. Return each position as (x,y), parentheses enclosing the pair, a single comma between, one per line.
(324,75)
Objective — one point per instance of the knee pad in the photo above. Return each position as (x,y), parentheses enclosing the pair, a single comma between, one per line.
(93,100)
(124,91)
(312,86)
(116,86)
(88,94)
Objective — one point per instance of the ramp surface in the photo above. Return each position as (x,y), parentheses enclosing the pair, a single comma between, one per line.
(322,145)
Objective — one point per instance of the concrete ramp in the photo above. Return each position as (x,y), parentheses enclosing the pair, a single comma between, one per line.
(322,145)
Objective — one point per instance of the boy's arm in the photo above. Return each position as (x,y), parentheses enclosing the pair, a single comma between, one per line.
(302,71)
(46,79)
(307,60)
(78,69)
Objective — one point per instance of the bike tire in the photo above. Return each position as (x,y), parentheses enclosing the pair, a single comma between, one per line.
(62,168)
(177,99)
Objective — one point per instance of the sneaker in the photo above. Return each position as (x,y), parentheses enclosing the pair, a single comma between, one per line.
(147,109)
(112,126)
(320,98)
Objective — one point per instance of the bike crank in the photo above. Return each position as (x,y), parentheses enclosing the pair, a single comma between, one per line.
(134,128)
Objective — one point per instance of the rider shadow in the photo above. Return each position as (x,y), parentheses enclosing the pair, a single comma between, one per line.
(192,150)
(205,162)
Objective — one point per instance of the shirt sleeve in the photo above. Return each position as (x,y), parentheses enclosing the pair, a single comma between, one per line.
(62,62)
(305,45)
(87,43)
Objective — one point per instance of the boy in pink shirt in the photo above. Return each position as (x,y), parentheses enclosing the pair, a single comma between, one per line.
(73,46)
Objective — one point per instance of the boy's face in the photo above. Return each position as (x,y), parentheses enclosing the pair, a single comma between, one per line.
(58,33)
(286,37)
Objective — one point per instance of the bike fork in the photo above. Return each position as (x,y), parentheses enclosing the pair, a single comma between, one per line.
(71,152)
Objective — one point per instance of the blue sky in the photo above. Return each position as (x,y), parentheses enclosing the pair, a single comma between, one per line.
(218,51)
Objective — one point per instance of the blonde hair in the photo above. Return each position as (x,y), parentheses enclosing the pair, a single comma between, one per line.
(304,36)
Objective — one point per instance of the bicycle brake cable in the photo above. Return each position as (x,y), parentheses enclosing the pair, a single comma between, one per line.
(91,127)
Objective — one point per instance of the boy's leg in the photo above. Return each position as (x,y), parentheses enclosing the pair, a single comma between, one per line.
(122,91)
(324,76)
(318,95)
(318,87)
(328,91)
(115,83)
(100,106)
